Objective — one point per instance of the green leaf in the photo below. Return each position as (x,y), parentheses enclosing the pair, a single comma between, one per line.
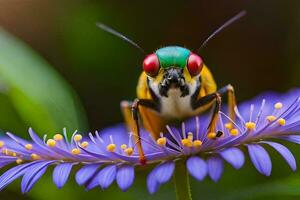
(285,187)
(39,95)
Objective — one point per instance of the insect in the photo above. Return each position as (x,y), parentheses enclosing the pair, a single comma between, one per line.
(175,84)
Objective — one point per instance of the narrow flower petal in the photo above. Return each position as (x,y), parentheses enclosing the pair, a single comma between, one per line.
(291,138)
(35,137)
(85,173)
(17,139)
(61,174)
(285,153)
(159,175)
(152,183)
(33,174)
(5,160)
(107,176)
(234,156)
(12,174)
(197,167)
(164,172)
(260,159)
(3,164)
(215,168)
(125,177)
(94,182)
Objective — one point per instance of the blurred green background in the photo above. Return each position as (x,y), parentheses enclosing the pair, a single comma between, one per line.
(58,70)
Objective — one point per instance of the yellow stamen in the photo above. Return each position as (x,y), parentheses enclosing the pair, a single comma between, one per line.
(51,143)
(1,144)
(19,161)
(123,146)
(28,146)
(8,152)
(129,151)
(281,121)
(211,135)
(197,143)
(161,141)
(111,147)
(5,151)
(187,142)
(271,118)
(234,132)
(35,156)
(229,125)
(58,137)
(250,125)
(278,105)
(75,151)
(190,136)
(77,137)
(84,144)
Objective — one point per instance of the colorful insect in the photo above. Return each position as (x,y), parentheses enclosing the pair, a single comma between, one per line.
(175,84)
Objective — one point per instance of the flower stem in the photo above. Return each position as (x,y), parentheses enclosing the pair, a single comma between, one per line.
(181,182)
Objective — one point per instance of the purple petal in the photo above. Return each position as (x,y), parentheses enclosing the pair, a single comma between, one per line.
(33,174)
(285,153)
(215,168)
(40,143)
(164,172)
(159,175)
(95,154)
(107,175)
(197,167)
(122,134)
(86,173)
(61,174)
(35,137)
(152,183)
(12,174)
(234,156)
(3,164)
(93,182)
(125,177)
(5,160)
(291,138)
(63,152)
(17,139)
(260,159)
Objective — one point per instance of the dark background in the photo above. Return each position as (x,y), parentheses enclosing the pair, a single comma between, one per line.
(260,52)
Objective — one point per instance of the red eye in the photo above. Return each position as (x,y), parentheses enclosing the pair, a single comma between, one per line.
(194,64)
(151,65)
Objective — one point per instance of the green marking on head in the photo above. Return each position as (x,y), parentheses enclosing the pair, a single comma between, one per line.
(173,56)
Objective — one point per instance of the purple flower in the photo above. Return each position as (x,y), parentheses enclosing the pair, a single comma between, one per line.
(111,156)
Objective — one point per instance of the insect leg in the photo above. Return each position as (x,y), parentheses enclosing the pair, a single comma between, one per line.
(135,110)
(229,90)
(131,115)
(206,100)
(217,97)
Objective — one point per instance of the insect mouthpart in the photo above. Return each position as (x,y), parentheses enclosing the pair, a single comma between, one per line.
(173,78)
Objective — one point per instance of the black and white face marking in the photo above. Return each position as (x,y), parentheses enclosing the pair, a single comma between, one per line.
(173,78)
(174,93)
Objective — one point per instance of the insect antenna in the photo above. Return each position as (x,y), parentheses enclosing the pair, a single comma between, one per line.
(222,27)
(115,33)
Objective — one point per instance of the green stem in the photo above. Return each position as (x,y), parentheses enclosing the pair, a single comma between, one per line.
(181,182)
